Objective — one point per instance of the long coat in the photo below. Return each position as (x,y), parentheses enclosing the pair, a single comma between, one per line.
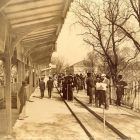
(22,95)
(90,84)
(42,85)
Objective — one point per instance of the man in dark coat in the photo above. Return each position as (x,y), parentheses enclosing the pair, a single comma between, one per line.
(22,99)
(42,87)
(90,87)
(64,88)
(50,87)
(70,87)
(120,84)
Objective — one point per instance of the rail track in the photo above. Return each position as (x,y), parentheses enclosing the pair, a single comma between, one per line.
(106,129)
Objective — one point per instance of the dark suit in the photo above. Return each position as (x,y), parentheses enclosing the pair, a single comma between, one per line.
(42,88)
(50,87)
(90,88)
(22,98)
(120,91)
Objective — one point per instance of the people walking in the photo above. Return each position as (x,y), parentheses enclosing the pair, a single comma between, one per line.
(120,84)
(42,87)
(22,99)
(50,87)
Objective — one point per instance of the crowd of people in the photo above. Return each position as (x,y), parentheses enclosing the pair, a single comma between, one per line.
(97,87)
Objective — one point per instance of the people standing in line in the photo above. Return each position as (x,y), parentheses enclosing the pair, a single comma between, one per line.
(90,87)
(50,87)
(42,87)
(22,99)
(120,84)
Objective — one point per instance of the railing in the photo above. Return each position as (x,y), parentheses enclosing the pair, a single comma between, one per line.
(132,96)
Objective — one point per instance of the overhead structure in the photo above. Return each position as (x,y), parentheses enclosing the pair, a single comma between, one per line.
(28,33)
(35,25)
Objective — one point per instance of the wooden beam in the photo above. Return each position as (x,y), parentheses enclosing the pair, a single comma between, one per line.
(22,32)
(58,29)
(45,28)
(41,31)
(37,37)
(41,50)
(31,49)
(23,2)
(14,16)
(3,4)
(30,22)
(40,41)
(43,61)
(40,57)
(66,7)
(33,8)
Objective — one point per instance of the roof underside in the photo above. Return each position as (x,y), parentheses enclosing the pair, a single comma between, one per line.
(37,23)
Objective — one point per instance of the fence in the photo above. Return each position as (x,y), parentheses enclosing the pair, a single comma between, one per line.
(131,96)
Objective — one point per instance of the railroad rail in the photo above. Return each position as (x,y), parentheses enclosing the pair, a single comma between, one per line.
(91,136)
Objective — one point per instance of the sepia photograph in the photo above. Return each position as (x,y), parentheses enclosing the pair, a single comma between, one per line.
(69,69)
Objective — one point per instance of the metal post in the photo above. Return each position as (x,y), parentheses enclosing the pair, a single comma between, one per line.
(104,121)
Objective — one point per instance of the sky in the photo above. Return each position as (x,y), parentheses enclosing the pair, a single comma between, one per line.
(70,45)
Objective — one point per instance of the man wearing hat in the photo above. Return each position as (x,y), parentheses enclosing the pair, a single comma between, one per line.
(105,94)
(50,87)
(42,87)
(90,87)
(120,84)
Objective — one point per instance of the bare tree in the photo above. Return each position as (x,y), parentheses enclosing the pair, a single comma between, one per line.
(126,12)
(100,30)
(97,67)
(59,62)
(135,5)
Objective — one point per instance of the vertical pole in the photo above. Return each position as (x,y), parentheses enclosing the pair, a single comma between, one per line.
(23,71)
(19,79)
(104,121)
(20,72)
(30,80)
(8,85)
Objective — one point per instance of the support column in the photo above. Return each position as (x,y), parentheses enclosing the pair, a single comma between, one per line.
(20,72)
(23,71)
(8,85)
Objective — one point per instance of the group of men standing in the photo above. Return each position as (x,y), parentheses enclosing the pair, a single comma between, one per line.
(100,88)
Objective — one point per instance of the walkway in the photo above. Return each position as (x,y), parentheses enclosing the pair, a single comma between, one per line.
(48,119)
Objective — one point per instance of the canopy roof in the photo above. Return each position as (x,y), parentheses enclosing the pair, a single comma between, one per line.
(36,25)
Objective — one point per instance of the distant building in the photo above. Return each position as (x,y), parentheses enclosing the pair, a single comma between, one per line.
(78,68)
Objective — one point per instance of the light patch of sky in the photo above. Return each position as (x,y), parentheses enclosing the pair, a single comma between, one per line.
(70,45)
